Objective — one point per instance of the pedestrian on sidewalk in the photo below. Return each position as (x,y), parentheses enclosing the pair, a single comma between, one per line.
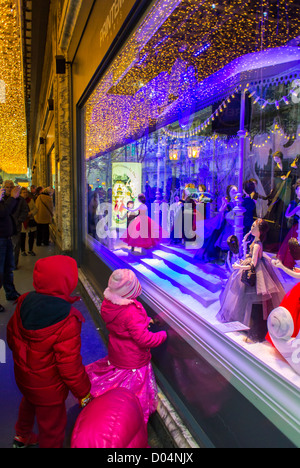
(44,335)
(44,216)
(7,230)
(29,225)
(37,192)
(19,215)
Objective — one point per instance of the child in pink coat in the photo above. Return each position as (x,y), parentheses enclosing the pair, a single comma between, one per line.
(128,363)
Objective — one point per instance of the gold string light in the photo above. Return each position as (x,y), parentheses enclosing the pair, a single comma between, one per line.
(13,139)
(195,41)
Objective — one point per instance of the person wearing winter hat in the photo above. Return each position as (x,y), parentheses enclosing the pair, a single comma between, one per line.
(128,363)
(44,336)
(122,284)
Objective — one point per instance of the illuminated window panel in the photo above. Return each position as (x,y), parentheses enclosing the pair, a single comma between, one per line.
(178,46)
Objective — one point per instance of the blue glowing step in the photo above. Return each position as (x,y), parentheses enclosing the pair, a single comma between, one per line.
(188,255)
(183,281)
(209,281)
(172,290)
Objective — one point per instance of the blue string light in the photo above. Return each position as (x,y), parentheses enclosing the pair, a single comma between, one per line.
(203,49)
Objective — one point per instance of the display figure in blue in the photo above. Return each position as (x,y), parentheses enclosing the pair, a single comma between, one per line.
(278,200)
(292,213)
(218,229)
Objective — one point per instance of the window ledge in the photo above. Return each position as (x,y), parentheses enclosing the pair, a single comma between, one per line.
(268,390)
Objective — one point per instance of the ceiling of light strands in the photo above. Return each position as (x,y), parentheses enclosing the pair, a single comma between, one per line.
(164,62)
(13,139)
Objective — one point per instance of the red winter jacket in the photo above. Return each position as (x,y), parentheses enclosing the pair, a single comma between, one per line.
(44,336)
(112,420)
(129,340)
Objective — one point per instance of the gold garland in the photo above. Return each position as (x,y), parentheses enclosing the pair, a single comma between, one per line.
(13,139)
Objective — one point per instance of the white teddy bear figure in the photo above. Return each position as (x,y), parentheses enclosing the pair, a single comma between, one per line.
(281,329)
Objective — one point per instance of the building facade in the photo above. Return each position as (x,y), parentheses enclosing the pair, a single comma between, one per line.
(178,99)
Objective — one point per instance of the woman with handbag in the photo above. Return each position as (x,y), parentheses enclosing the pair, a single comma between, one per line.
(29,225)
(44,216)
(253,287)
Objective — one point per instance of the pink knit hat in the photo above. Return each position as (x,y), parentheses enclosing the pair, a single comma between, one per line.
(124,283)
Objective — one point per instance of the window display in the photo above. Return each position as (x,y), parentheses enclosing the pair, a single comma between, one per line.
(192,153)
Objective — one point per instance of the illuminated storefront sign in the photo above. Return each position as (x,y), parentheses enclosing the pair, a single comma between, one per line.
(111,19)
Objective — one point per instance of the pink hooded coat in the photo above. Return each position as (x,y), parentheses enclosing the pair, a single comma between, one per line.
(129,337)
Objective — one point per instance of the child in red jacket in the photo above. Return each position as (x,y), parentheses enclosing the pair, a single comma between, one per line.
(44,336)
(128,362)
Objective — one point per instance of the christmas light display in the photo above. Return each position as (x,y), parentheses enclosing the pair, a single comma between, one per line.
(13,158)
(162,70)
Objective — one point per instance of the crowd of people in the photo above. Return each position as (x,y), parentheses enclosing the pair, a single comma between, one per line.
(25,216)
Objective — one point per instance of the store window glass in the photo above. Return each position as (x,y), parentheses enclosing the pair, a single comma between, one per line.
(192,156)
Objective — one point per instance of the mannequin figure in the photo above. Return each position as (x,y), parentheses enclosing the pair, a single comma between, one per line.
(233,254)
(189,217)
(228,226)
(142,231)
(218,229)
(129,216)
(293,211)
(251,305)
(294,249)
(277,202)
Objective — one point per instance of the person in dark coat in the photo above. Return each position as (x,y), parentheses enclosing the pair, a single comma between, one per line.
(19,215)
(7,230)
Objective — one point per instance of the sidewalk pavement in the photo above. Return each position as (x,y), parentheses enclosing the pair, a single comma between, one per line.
(92,349)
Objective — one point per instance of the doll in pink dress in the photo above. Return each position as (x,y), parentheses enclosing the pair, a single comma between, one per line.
(128,363)
(238,300)
(143,231)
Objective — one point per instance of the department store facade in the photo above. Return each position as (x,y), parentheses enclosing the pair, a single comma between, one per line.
(162,98)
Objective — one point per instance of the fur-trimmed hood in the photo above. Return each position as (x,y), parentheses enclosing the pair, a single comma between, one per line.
(116,299)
